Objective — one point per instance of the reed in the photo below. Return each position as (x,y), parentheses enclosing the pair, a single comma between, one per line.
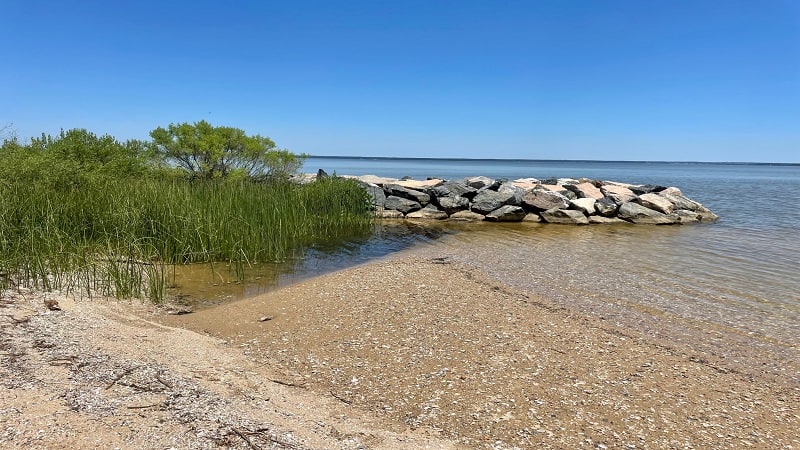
(115,236)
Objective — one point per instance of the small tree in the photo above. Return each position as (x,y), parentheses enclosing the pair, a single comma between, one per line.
(209,152)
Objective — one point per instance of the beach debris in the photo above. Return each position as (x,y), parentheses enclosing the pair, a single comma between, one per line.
(265,318)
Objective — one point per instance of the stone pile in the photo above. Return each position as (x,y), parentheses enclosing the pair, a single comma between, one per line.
(562,201)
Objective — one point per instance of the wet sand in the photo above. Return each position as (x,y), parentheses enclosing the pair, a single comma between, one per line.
(435,345)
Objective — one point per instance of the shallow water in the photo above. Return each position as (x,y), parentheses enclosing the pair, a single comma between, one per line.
(209,284)
(660,280)
(739,277)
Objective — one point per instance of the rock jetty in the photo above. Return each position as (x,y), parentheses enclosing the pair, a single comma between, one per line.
(561,201)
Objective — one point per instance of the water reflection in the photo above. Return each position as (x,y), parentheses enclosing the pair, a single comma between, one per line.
(209,284)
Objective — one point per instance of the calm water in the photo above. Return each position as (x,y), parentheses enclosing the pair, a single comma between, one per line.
(738,277)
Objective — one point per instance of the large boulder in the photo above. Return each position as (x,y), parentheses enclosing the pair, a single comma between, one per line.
(487,201)
(645,188)
(506,213)
(451,204)
(620,194)
(706,215)
(585,190)
(453,188)
(401,204)
(478,182)
(542,200)
(512,189)
(584,205)
(428,212)
(564,216)
(606,206)
(657,202)
(680,201)
(636,213)
(686,216)
(420,185)
(404,192)
(376,194)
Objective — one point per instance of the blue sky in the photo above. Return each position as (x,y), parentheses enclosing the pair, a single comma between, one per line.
(607,80)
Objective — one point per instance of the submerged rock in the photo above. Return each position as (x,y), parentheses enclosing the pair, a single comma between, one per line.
(636,213)
(467,216)
(564,216)
(428,212)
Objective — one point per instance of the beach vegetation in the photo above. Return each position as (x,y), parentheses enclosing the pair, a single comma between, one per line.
(92,215)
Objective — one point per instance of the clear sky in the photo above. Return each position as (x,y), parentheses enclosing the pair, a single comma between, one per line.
(692,80)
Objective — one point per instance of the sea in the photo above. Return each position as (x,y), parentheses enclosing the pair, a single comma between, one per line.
(730,289)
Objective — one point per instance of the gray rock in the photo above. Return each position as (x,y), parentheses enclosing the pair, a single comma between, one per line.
(605,220)
(428,212)
(506,213)
(657,202)
(564,216)
(376,194)
(453,188)
(374,179)
(681,201)
(636,213)
(478,182)
(401,204)
(531,217)
(584,205)
(404,192)
(606,206)
(671,191)
(517,193)
(686,216)
(321,174)
(706,215)
(646,188)
(620,194)
(451,205)
(487,201)
(467,216)
(542,200)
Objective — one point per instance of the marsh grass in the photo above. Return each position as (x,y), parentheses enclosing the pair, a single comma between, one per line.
(118,237)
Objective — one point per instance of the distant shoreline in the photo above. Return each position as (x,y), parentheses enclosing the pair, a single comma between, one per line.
(510,160)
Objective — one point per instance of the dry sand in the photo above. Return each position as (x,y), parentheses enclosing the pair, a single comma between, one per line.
(401,353)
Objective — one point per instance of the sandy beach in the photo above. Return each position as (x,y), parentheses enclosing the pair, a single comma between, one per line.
(406,352)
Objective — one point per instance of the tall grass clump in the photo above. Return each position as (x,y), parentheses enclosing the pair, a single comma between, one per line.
(113,230)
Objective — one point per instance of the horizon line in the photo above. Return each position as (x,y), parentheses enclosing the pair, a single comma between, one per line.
(420,158)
